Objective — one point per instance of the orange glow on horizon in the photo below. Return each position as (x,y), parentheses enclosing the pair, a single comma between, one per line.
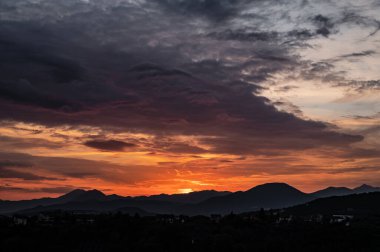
(63,164)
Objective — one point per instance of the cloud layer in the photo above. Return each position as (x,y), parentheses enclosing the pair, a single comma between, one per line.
(171,77)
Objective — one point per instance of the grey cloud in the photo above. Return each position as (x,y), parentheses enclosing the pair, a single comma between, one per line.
(286,88)
(294,38)
(8,169)
(7,142)
(125,70)
(59,189)
(52,190)
(354,170)
(243,35)
(58,167)
(10,173)
(23,92)
(324,25)
(359,54)
(8,163)
(171,146)
(109,145)
(15,189)
(360,86)
(362,153)
(363,21)
(271,146)
(217,10)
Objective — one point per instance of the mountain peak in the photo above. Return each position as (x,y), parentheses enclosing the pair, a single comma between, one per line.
(76,191)
(92,195)
(365,189)
(80,194)
(72,194)
(332,191)
(336,187)
(95,191)
(364,186)
(275,190)
(275,186)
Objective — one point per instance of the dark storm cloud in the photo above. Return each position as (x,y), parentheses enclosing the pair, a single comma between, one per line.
(217,10)
(41,67)
(243,35)
(128,67)
(108,145)
(22,91)
(295,38)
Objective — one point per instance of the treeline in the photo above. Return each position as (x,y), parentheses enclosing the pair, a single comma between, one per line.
(119,232)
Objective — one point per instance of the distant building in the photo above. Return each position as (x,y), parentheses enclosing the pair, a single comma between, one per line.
(341,219)
(284,219)
(44,218)
(20,221)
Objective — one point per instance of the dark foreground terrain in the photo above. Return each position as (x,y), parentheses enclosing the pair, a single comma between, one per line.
(260,231)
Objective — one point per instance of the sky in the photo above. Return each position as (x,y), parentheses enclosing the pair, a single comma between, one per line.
(141,97)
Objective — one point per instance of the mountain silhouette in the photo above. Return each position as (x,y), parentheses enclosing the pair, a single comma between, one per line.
(188,198)
(353,204)
(341,191)
(271,195)
(90,195)
(7,206)
(106,205)
(73,195)
(133,211)
(332,191)
(366,189)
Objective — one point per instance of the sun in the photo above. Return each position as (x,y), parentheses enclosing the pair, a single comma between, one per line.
(185,190)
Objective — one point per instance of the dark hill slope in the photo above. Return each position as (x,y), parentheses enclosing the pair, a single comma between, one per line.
(272,195)
(365,203)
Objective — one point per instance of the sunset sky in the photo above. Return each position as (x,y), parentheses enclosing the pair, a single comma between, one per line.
(140,97)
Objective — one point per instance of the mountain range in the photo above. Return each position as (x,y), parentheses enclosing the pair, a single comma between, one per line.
(353,204)
(271,195)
